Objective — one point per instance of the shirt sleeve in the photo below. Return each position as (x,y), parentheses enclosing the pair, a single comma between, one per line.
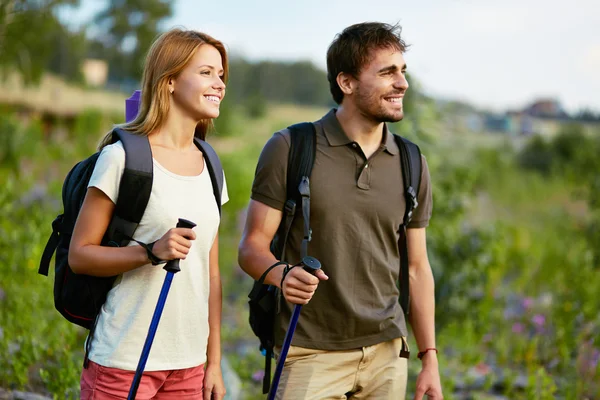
(270,178)
(422,214)
(109,170)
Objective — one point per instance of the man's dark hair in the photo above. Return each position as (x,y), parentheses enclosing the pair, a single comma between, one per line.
(351,50)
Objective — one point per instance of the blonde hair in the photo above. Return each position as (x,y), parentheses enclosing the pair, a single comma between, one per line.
(167,57)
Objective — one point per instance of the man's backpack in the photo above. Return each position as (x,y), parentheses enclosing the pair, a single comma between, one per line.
(263,299)
(79,297)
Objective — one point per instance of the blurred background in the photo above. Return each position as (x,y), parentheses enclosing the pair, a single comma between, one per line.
(503,102)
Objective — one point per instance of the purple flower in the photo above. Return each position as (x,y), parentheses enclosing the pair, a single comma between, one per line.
(539,320)
(258,376)
(527,303)
(518,327)
(594,359)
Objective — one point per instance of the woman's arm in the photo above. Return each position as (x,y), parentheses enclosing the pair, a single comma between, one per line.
(87,256)
(214,306)
(214,388)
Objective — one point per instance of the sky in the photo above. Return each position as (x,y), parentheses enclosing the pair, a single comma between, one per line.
(493,54)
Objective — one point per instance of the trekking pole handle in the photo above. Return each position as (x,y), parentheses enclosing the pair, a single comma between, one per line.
(310,264)
(184,223)
(173,265)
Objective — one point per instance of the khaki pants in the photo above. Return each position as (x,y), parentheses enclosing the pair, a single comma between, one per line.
(374,372)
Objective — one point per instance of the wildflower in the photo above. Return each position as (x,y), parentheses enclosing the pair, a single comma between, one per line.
(527,303)
(539,320)
(258,376)
(518,327)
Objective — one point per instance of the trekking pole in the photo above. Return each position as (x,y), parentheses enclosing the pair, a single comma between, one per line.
(309,264)
(172,268)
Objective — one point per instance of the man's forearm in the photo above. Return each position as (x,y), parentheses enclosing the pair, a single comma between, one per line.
(422,310)
(255,262)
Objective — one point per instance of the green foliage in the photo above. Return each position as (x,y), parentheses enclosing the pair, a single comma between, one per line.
(239,167)
(34,337)
(85,130)
(570,152)
(256,106)
(225,124)
(516,267)
(32,51)
(537,155)
(572,155)
(279,82)
(519,290)
(566,145)
(17,140)
(541,386)
(69,52)
(127,29)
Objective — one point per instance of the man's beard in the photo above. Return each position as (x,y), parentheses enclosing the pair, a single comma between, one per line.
(371,107)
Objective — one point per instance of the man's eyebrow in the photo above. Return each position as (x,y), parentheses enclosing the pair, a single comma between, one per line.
(392,68)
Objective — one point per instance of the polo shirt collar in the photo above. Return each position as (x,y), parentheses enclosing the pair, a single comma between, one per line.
(335,135)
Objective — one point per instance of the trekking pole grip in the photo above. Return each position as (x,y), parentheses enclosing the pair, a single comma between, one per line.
(310,264)
(173,265)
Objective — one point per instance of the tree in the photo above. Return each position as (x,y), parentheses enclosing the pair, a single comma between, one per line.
(29,30)
(298,82)
(127,29)
(587,114)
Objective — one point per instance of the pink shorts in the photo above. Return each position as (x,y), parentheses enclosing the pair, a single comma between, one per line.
(103,383)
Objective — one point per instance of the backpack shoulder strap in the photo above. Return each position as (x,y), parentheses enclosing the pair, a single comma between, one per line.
(215,169)
(301,158)
(135,186)
(410,163)
(410,158)
(303,138)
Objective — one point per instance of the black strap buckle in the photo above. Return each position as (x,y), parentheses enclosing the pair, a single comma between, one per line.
(304,187)
(57,224)
(412,203)
(290,207)
(412,195)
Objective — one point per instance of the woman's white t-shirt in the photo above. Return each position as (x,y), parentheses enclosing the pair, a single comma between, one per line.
(182,334)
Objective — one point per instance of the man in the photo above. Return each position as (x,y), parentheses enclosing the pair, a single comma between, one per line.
(352,332)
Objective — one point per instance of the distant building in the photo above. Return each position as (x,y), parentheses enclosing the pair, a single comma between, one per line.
(545,117)
(497,123)
(546,108)
(95,72)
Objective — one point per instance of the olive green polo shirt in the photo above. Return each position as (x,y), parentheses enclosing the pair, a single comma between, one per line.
(357,206)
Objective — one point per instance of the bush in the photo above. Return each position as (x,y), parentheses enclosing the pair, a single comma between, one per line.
(256,106)
(537,155)
(18,141)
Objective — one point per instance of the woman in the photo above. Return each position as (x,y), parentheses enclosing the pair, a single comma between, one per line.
(182,87)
